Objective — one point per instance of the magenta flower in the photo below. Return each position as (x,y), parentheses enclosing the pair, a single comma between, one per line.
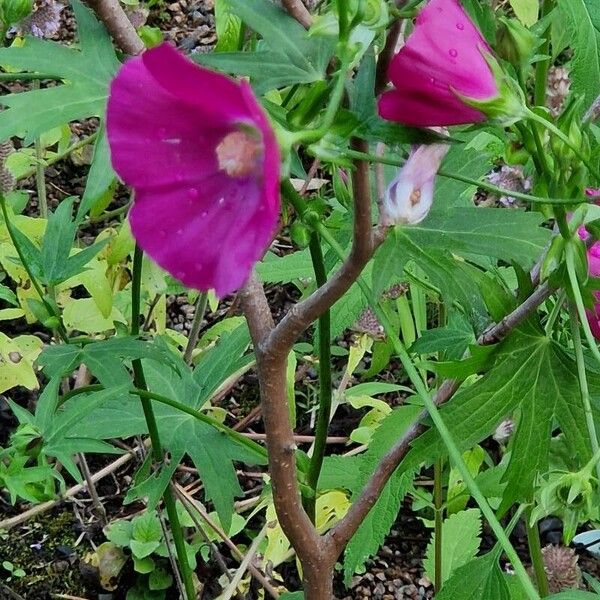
(593,315)
(442,59)
(593,259)
(203,161)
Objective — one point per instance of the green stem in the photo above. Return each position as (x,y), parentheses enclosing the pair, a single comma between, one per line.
(27,76)
(583,383)
(541,154)
(40,175)
(61,155)
(324,415)
(453,451)
(535,553)
(480,184)
(234,435)
(344,23)
(157,451)
(542,66)
(564,138)
(60,329)
(105,216)
(438,500)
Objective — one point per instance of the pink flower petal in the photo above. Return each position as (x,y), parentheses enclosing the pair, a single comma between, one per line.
(167,119)
(443,55)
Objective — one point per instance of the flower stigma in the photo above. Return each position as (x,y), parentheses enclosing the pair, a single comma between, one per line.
(240,153)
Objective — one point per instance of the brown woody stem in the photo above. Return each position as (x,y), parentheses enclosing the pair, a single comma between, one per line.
(118,25)
(297,10)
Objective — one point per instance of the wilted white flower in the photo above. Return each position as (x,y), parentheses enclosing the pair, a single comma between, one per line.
(409,196)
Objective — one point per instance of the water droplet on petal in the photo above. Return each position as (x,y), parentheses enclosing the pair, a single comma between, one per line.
(453,52)
(460,26)
(221,201)
(203,214)
(180,232)
(180,275)
(193,193)
(431,80)
(162,233)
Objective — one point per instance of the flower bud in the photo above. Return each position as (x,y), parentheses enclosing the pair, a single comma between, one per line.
(409,196)
(554,257)
(569,124)
(514,43)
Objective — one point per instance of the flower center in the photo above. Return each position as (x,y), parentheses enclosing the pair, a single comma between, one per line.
(239,153)
(415,196)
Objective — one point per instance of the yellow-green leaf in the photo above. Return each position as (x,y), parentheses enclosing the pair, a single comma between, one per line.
(16,361)
(526,11)
(84,315)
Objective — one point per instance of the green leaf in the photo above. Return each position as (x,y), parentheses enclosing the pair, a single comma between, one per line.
(86,73)
(100,177)
(143,549)
(215,453)
(293,57)
(23,481)
(532,377)
(583,20)
(346,310)
(478,579)
(143,565)
(75,264)
(8,295)
(443,339)
(146,528)
(508,235)
(104,359)
(284,269)
(441,245)
(160,579)
(229,27)
(31,254)
(282,33)
(46,404)
(460,543)
(119,532)
(57,242)
(218,363)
